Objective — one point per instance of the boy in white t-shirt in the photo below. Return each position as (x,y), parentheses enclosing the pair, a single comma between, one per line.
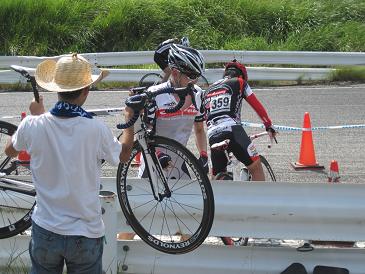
(66,146)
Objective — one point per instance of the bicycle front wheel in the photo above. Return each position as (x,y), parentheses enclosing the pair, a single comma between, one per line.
(150,79)
(175,223)
(16,203)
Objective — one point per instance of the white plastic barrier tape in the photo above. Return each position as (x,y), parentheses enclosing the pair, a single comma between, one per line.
(287,128)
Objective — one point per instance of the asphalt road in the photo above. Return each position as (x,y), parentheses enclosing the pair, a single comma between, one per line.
(327,106)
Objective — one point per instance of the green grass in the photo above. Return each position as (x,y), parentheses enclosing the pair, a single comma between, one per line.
(52,27)
(356,74)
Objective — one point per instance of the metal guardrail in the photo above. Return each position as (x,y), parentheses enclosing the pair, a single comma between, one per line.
(306,211)
(109,59)
(106,59)
(218,259)
(212,75)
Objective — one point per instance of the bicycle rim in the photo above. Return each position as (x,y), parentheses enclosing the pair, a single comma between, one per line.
(15,207)
(187,215)
(203,82)
(269,173)
(150,79)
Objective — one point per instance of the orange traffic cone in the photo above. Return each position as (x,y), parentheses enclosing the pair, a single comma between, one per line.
(333,174)
(23,156)
(307,158)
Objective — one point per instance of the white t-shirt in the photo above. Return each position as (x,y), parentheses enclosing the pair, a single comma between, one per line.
(66,166)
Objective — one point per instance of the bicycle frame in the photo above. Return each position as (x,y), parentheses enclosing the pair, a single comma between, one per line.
(17,185)
(151,159)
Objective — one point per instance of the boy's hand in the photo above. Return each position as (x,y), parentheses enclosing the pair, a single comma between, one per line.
(37,108)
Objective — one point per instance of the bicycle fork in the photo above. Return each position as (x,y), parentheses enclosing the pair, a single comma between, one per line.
(153,168)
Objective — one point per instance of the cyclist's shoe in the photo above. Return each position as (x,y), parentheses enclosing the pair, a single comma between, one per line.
(245,175)
(164,159)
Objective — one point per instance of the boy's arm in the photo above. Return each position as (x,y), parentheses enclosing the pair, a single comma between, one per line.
(127,137)
(10,150)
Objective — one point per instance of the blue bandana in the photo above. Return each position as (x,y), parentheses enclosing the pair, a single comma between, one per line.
(64,109)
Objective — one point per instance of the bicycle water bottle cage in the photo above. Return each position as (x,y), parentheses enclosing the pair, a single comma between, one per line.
(136,102)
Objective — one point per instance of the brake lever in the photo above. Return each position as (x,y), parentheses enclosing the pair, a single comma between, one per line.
(191,92)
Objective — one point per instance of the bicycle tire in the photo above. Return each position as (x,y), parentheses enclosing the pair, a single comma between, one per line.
(173,229)
(150,79)
(203,82)
(16,207)
(269,174)
(267,170)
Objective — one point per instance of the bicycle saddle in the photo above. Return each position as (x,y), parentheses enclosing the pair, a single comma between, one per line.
(221,145)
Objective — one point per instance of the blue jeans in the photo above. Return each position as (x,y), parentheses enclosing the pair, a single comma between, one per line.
(50,251)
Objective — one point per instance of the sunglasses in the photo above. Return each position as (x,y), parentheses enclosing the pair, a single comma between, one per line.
(191,76)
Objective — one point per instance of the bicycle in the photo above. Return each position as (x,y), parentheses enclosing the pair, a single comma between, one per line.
(237,172)
(17,195)
(154,192)
(153,78)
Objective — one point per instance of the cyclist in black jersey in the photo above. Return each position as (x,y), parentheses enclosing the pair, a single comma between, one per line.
(161,54)
(222,103)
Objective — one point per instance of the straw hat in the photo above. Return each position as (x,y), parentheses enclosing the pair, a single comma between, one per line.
(69,73)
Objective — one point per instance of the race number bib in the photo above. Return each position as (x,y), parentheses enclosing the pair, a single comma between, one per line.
(220,103)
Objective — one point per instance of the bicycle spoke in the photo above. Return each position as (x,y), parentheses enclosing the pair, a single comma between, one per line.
(178,218)
(192,207)
(186,185)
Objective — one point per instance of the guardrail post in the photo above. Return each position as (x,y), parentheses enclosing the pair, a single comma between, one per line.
(110,245)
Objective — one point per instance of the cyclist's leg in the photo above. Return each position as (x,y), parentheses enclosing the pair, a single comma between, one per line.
(245,151)
(218,158)
(256,170)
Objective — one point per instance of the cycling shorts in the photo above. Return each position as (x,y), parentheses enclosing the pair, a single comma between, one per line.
(240,145)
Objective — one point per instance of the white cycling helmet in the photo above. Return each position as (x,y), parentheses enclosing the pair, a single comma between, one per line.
(187,60)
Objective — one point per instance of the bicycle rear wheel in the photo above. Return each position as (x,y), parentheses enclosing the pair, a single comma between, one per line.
(269,177)
(187,214)
(16,202)
(150,79)
(269,173)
